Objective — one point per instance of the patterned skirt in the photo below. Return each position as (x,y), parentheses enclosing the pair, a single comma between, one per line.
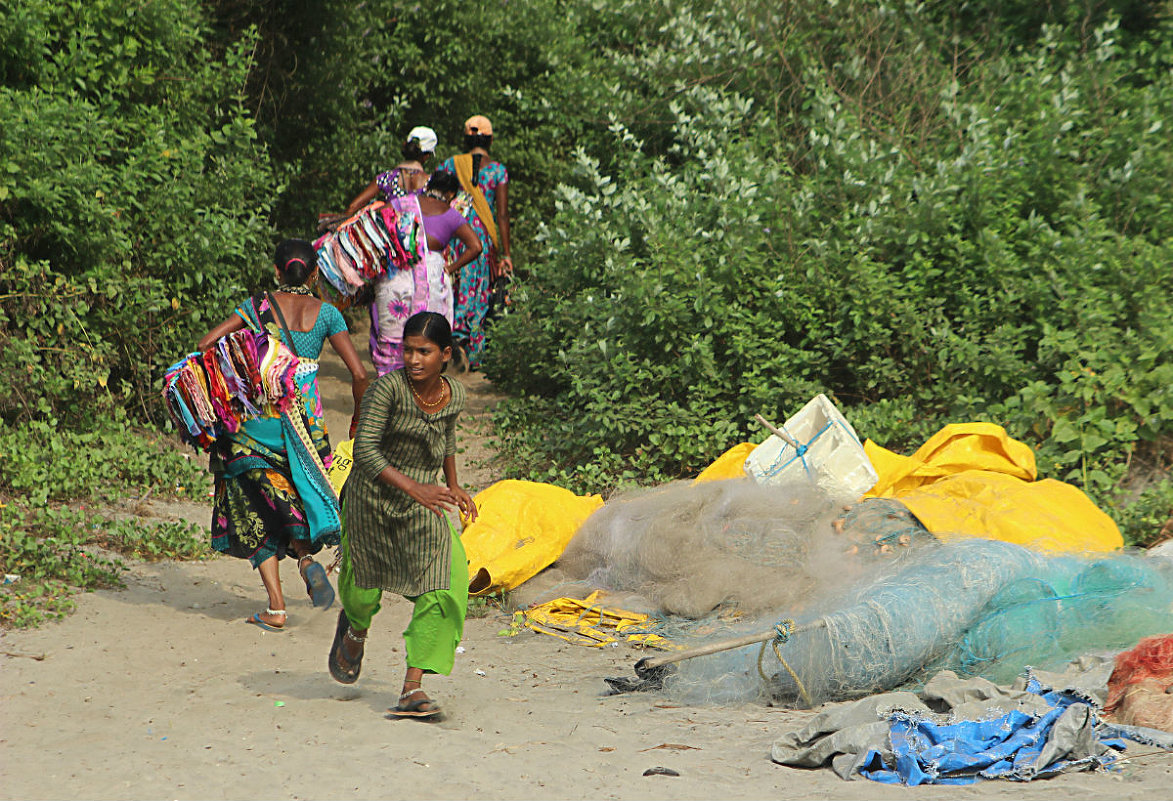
(256,514)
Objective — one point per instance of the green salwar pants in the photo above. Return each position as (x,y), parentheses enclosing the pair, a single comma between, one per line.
(437,622)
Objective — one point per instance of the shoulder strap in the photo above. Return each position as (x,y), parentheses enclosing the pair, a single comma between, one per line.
(281,319)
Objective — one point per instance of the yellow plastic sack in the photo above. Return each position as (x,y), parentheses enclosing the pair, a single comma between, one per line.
(730,464)
(974,480)
(587,622)
(522,527)
(340,467)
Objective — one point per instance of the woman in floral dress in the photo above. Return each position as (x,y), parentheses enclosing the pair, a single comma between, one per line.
(484,200)
(426,285)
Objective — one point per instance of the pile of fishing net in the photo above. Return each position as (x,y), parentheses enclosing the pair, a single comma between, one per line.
(978,607)
(876,601)
(732,550)
(1138,689)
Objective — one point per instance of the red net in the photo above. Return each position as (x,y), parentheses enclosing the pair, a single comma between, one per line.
(1151,662)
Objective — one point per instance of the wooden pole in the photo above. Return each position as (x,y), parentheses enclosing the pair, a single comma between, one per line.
(777,432)
(717,647)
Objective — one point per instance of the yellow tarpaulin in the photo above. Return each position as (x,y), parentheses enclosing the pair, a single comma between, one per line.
(587,622)
(974,480)
(730,464)
(956,448)
(522,528)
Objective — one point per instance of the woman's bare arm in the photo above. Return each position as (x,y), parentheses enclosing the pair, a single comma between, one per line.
(472,248)
(233,323)
(506,261)
(359,381)
(367,195)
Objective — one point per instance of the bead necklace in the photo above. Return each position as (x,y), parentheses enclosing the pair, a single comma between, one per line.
(295,290)
(422,402)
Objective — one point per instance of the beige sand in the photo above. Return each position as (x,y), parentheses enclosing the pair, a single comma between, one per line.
(161,691)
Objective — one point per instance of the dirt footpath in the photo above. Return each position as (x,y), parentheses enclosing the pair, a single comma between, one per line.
(161,690)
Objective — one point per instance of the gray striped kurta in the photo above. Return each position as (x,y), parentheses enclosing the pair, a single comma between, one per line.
(394,543)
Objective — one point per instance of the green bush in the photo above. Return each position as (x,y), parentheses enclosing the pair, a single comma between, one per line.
(51,552)
(103,462)
(134,200)
(927,237)
(1142,518)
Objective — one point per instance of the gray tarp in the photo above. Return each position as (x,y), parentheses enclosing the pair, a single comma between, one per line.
(845,735)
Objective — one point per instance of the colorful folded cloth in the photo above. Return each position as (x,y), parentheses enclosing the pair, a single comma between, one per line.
(242,376)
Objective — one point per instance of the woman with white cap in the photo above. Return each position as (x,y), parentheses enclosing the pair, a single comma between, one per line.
(407,177)
(485,185)
(405,180)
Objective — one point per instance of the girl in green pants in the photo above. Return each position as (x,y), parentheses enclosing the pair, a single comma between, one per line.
(395,535)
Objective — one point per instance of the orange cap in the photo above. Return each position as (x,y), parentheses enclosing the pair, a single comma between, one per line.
(477,124)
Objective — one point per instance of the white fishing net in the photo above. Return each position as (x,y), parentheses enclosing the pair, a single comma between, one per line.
(728,547)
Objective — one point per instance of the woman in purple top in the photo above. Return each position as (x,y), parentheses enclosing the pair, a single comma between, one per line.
(426,286)
(404,179)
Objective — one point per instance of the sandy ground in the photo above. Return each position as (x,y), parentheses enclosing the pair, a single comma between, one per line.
(161,691)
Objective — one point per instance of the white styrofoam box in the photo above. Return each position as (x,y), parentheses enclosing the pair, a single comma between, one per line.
(833,456)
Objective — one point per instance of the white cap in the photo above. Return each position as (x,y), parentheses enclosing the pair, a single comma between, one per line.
(426,136)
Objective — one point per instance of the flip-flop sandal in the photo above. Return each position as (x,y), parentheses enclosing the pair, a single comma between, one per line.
(415,708)
(344,672)
(256,620)
(318,585)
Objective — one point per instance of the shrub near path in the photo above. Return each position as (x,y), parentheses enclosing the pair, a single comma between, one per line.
(73,504)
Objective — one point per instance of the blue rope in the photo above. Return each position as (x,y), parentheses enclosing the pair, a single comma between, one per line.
(800,453)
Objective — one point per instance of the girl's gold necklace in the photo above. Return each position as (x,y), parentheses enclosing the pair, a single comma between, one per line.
(424,403)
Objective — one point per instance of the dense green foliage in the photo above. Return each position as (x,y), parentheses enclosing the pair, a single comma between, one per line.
(134,205)
(134,202)
(929,222)
(102,465)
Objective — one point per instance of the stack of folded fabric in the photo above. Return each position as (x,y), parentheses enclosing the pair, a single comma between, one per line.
(243,375)
(364,247)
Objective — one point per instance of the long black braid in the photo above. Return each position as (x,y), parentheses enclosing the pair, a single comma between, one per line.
(472,141)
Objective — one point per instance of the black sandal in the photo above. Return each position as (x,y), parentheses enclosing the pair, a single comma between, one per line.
(343,671)
(420,708)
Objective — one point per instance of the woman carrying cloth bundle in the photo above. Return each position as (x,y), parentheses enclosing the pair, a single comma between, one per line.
(427,284)
(272,495)
(403,180)
(396,537)
(486,184)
